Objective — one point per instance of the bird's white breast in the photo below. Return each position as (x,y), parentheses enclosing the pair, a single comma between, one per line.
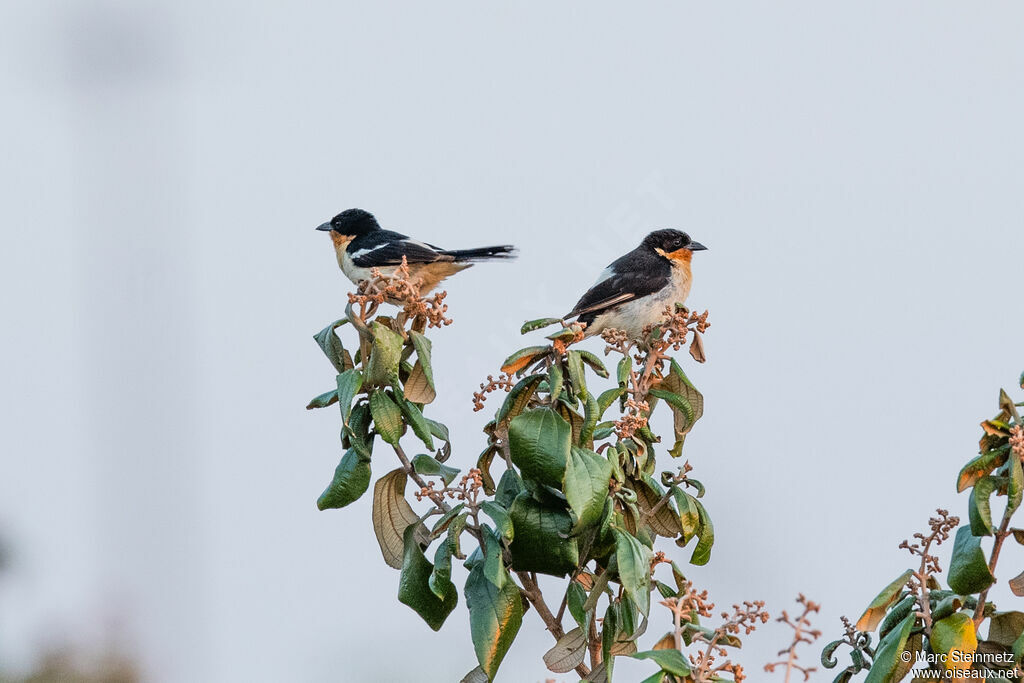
(633,316)
(353,272)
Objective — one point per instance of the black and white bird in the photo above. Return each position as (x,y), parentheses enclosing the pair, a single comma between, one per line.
(635,290)
(361,245)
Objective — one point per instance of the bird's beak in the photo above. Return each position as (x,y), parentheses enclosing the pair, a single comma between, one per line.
(696,246)
(326,227)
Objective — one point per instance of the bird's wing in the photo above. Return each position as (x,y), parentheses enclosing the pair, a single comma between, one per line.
(386,248)
(617,288)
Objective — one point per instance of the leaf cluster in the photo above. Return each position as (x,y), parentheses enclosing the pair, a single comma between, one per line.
(915,617)
(567,484)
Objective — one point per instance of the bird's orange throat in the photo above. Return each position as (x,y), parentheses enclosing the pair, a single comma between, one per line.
(340,241)
(340,244)
(678,256)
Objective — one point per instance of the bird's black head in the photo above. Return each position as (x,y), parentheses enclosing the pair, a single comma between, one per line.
(672,244)
(353,222)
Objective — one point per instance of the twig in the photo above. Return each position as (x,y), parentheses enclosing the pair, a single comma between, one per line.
(802,633)
(531,591)
(1000,536)
(941,527)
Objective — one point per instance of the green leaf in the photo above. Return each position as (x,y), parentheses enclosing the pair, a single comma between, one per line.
(706,537)
(495,615)
(979,467)
(455,530)
(439,431)
(658,677)
(387,417)
(427,465)
(1008,407)
(587,475)
(518,398)
(414,417)
(566,334)
(483,463)
(539,441)
(979,506)
(628,614)
(446,519)
(609,632)
(392,515)
(887,660)
(828,659)
(575,420)
(623,370)
(942,609)
(574,363)
(539,323)
(686,401)
(907,658)
(598,589)
(1015,489)
(351,479)
(494,563)
(670,661)
(897,614)
(502,522)
(556,379)
(323,400)
(385,356)
(357,433)
(331,345)
(689,515)
(568,652)
(595,363)
(666,590)
(423,351)
(634,562)
(542,543)
(349,384)
(1018,645)
(576,597)
(414,587)
(509,486)
(523,358)
(607,398)
(591,416)
(676,401)
(875,612)
(968,570)
(954,636)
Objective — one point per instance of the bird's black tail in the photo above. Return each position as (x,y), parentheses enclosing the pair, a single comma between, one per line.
(483,253)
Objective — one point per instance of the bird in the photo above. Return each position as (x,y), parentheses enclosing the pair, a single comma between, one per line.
(634,291)
(360,245)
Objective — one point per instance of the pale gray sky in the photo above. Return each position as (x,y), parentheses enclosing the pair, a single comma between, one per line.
(855,169)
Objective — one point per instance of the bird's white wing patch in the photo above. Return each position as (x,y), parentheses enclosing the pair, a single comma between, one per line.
(605,274)
(359,253)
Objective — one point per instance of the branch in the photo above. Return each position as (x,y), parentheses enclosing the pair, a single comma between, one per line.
(531,591)
(1001,534)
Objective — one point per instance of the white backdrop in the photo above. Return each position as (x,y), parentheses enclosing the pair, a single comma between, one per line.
(855,170)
